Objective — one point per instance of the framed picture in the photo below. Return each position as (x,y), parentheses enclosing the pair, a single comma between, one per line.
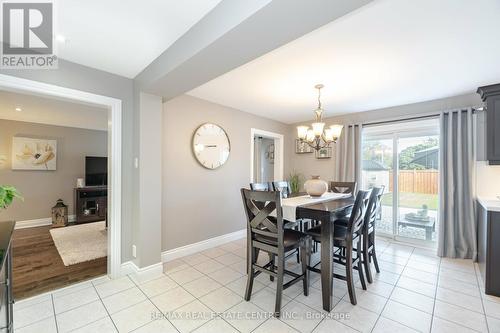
(302,147)
(324,153)
(33,154)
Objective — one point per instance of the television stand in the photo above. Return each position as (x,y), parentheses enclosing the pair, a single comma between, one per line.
(91,204)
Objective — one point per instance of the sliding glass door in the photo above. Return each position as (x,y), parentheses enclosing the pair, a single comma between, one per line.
(404,158)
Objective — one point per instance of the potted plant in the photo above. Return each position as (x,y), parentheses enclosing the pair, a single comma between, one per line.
(7,195)
(295,182)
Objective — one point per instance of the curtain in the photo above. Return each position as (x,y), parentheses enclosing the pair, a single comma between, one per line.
(457,223)
(348,155)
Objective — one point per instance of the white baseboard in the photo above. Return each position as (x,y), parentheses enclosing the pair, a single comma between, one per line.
(39,222)
(186,250)
(142,274)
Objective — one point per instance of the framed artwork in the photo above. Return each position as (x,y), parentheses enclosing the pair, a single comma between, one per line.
(33,154)
(302,147)
(324,153)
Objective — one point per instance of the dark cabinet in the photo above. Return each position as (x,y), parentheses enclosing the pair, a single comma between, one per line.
(91,204)
(488,241)
(491,96)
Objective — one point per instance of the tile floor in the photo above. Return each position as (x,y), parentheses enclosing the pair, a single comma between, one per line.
(415,292)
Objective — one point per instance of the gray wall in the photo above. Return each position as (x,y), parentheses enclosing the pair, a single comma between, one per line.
(199,203)
(84,78)
(308,165)
(41,189)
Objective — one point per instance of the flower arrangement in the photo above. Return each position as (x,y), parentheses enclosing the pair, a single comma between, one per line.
(295,181)
(7,195)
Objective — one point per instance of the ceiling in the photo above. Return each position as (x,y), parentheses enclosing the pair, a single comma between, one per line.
(387,53)
(50,111)
(124,36)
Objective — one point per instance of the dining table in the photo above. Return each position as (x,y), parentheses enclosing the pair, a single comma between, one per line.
(325,210)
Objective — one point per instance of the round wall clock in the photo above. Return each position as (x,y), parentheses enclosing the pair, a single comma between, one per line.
(211,146)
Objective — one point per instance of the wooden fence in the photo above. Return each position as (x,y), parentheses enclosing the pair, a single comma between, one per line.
(416,181)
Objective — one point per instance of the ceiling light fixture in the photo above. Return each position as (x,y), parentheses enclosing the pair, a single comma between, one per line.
(318,137)
(18,109)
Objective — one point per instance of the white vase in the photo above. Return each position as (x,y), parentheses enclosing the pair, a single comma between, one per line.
(316,187)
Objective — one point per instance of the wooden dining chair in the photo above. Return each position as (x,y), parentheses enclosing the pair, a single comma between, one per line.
(344,239)
(369,252)
(343,187)
(261,186)
(284,187)
(266,233)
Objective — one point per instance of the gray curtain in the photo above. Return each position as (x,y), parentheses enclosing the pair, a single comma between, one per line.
(457,223)
(348,155)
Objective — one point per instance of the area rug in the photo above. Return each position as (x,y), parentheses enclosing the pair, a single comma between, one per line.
(79,243)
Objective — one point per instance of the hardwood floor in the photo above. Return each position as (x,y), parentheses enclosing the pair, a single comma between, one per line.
(38,268)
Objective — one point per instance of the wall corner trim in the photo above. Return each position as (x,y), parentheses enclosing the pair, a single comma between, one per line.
(142,274)
(186,250)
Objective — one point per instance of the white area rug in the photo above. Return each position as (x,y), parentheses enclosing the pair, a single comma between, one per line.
(79,243)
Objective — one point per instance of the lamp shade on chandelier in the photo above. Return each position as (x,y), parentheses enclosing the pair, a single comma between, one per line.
(318,136)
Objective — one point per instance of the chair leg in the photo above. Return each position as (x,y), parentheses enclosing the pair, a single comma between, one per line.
(374,252)
(271,259)
(306,261)
(279,287)
(360,264)
(251,273)
(366,259)
(349,279)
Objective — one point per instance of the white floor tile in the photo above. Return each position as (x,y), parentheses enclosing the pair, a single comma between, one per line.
(195,259)
(239,286)
(240,267)
(358,318)
(368,300)
(156,326)
(429,268)
(245,316)
(229,259)
(201,286)
(387,277)
(185,275)
(492,309)
(417,286)
(389,267)
(274,325)
(135,316)
(385,325)
(331,325)
(446,273)
(469,302)
(413,299)
(172,299)
(225,275)
(214,252)
(191,316)
(75,299)
(114,286)
(209,266)
(408,316)
(221,299)
(443,326)
(420,275)
(47,325)
(73,288)
(33,313)
(459,286)
(300,316)
(174,266)
(378,287)
(460,316)
(493,324)
(157,286)
(266,299)
(79,317)
(20,304)
(124,299)
(216,325)
(314,299)
(104,325)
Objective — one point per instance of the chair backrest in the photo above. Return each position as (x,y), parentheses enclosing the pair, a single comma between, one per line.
(258,208)
(356,221)
(260,187)
(343,187)
(284,187)
(373,206)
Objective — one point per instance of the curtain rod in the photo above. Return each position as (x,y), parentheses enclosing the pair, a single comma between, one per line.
(423,116)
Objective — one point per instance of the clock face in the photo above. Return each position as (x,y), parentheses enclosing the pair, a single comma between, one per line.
(211,146)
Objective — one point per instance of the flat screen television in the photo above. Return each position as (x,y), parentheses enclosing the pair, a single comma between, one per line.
(96,171)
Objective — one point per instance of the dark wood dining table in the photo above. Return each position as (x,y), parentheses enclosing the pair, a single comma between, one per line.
(326,213)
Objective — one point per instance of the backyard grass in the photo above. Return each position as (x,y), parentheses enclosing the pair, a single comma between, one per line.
(413,200)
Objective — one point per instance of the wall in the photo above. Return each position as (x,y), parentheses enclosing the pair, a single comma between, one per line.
(307,165)
(41,189)
(199,203)
(71,75)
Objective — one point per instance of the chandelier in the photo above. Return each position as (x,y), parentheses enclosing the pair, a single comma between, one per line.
(319,137)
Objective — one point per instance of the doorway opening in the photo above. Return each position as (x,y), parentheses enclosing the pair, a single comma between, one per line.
(266,162)
(404,157)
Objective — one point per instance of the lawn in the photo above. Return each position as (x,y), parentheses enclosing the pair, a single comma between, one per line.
(413,200)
